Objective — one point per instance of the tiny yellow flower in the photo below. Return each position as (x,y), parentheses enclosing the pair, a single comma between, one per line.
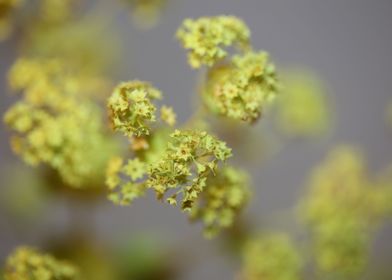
(168,115)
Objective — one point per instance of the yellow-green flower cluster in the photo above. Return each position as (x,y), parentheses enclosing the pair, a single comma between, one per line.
(124,180)
(237,87)
(168,115)
(26,263)
(207,37)
(7,7)
(131,108)
(55,123)
(241,89)
(147,12)
(225,196)
(184,172)
(271,257)
(190,157)
(188,160)
(303,109)
(342,210)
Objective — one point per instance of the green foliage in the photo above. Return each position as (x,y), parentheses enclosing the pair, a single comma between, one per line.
(342,209)
(271,257)
(206,38)
(29,264)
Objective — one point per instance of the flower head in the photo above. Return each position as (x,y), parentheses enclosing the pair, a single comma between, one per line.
(207,37)
(131,107)
(188,160)
(241,89)
(125,181)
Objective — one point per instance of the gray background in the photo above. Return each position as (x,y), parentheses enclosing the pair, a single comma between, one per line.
(347,42)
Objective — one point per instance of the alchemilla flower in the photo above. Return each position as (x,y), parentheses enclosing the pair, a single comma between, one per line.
(131,107)
(240,90)
(189,158)
(206,38)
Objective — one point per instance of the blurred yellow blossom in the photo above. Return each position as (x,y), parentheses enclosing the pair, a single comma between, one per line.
(206,38)
(226,195)
(342,209)
(271,257)
(168,115)
(146,13)
(26,263)
(56,123)
(303,108)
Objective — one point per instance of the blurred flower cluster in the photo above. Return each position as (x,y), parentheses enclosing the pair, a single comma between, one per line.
(343,209)
(27,263)
(66,108)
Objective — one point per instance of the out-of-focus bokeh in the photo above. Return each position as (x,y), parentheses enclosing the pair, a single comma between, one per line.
(335,57)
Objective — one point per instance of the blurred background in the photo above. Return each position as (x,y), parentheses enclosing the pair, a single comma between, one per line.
(347,44)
